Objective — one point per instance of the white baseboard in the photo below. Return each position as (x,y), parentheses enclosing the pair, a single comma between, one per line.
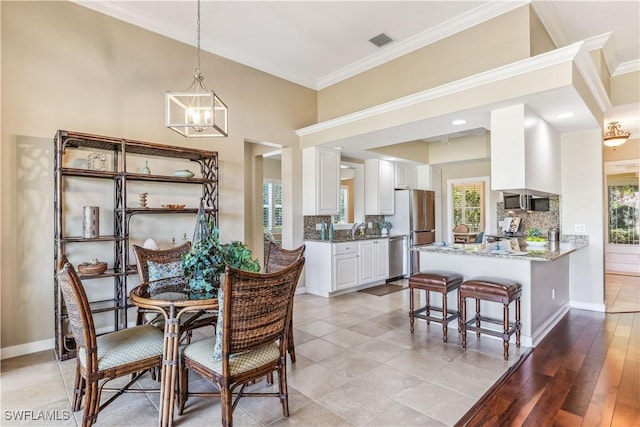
(22,349)
(591,306)
(547,326)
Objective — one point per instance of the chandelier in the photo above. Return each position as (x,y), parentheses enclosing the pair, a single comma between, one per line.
(615,136)
(196,112)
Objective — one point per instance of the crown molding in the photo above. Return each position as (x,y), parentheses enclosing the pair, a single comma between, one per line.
(627,67)
(587,70)
(446,29)
(550,20)
(524,66)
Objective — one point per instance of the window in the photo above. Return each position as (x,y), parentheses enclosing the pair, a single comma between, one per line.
(624,209)
(272,205)
(468,202)
(344,204)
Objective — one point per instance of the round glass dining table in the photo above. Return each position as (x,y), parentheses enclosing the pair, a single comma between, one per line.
(173,299)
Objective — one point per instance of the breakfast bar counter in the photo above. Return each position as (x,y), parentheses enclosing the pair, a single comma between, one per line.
(543,272)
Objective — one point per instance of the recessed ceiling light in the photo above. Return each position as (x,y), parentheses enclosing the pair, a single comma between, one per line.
(458,122)
(338,148)
(564,115)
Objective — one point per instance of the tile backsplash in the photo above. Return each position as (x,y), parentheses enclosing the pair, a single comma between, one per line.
(310,222)
(543,221)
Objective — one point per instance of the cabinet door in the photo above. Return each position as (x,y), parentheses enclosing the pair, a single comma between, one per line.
(328,182)
(405,176)
(320,181)
(381,261)
(345,268)
(367,261)
(379,187)
(386,188)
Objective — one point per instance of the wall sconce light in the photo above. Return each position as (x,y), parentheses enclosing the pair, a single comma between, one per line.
(615,136)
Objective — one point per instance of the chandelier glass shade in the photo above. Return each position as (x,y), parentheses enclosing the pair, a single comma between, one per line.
(615,136)
(196,112)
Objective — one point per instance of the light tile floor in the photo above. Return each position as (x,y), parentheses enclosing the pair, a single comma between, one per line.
(622,293)
(357,364)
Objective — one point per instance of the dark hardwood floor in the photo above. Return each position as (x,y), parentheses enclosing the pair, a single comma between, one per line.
(586,372)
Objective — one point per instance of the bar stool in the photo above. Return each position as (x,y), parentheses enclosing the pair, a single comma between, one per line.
(434,281)
(490,289)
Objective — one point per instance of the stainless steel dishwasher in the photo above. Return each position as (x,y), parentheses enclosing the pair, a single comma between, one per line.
(397,254)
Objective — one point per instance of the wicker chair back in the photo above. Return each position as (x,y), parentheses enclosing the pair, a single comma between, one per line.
(160,256)
(279,258)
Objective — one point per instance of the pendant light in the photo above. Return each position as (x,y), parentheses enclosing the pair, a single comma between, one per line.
(615,136)
(196,112)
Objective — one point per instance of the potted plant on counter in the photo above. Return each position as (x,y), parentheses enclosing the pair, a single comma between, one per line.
(385,226)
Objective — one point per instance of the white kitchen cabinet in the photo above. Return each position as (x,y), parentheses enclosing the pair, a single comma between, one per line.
(321,181)
(379,187)
(334,268)
(405,176)
(374,260)
(345,266)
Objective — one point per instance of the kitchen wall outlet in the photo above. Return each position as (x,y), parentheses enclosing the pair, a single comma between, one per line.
(553,294)
(318,226)
(369,224)
(580,228)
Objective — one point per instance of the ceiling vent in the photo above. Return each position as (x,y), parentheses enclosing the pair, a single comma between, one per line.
(381,39)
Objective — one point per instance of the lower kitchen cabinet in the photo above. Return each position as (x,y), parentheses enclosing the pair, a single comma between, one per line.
(374,260)
(333,268)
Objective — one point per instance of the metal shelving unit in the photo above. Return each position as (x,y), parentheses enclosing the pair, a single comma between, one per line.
(119,150)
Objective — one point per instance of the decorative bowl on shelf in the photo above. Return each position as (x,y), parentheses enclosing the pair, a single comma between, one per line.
(173,206)
(183,173)
(92,268)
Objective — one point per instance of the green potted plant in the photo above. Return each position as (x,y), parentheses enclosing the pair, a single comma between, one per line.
(207,259)
(385,226)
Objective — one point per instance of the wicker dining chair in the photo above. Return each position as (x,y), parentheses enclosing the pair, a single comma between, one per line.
(165,256)
(131,351)
(250,341)
(276,259)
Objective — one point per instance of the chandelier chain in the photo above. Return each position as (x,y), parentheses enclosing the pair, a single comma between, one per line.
(198,70)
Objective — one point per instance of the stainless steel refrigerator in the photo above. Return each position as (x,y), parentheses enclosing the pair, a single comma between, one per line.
(415,217)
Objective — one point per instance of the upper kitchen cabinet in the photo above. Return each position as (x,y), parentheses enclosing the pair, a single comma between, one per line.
(378,187)
(405,176)
(525,153)
(321,181)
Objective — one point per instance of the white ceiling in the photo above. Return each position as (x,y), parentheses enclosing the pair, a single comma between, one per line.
(318,43)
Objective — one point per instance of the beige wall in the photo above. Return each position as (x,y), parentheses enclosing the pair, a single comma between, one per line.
(628,151)
(67,67)
(540,41)
(625,88)
(469,52)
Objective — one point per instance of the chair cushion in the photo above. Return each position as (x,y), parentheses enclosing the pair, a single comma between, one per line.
(438,280)
(200,352)
(127,346)
(165,270)
(491,288)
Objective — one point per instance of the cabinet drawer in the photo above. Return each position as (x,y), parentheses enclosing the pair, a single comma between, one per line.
(345,248)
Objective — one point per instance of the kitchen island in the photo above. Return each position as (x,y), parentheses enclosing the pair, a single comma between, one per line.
(543,272)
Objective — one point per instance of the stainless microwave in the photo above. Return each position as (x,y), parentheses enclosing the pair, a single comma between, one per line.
(517,202)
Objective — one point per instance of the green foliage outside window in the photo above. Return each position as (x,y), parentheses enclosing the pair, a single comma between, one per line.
(624,215)
(467,205)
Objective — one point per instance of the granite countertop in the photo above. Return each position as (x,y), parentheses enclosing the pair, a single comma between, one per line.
(549,252)
(341,239)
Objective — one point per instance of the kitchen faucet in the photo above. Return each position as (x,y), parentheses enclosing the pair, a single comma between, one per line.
(354,229)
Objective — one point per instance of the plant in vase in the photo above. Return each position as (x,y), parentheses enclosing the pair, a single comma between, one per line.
(385,226)
(207,259)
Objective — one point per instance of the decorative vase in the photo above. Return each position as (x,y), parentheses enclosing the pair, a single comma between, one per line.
(90,222)
(384,232)
(145,169)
